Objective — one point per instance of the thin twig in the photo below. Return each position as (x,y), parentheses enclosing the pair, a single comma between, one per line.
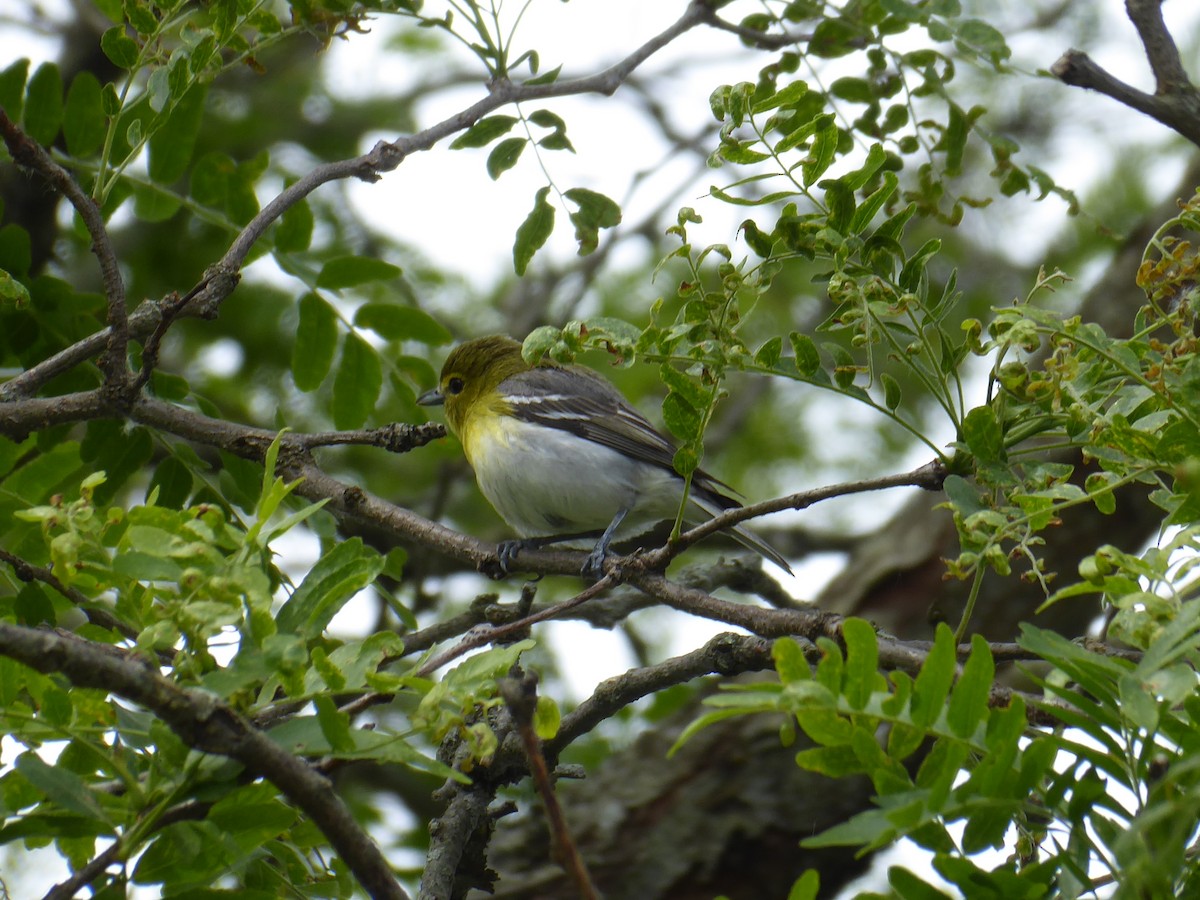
(27,571)
(29,153)
(484,635)
(928,477)
(520,695)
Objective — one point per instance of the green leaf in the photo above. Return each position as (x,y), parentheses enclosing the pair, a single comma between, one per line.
(855,90)
(12,89)
(209,181)
(316,342)
(808,360)
(338,575)
(402,323)
(934,680)
(871,205)
(557,139)
(484,132)
(891,391)
(84,123)
(294,232)
(786,96)
(913,273)
(821,154)
(806,887)
(173,480)
(547,77)
(335,725)
(837,761)
(252,815)
(595,211)
(351,271)
(120,48)
(534,231)
(182,855)
(357,383)
(969,701)
(985,38)
(172,145)
(954,140)
(681,418)
(790,661)
(44,104)
(63,787)
(768,354)
(862,662)
(546,718)
(13,294)
(1138,704)
(504,156)
(910,887)
(982,434)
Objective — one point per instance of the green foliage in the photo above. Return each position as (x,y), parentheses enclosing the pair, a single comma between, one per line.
(132,536)
(178,583)
(959,774)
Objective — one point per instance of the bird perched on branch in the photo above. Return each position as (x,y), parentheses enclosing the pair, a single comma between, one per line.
(562,456)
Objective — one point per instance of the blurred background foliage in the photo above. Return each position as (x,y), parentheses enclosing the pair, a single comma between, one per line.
(1087,178)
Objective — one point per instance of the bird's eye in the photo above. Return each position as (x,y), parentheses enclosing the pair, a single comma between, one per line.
(455,385)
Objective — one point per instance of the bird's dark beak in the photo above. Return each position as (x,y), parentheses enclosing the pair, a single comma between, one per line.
(432,397)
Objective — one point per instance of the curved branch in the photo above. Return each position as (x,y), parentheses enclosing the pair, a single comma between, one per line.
(31,154)
(1175,101)
(927,477)
(206,723)
(725,654)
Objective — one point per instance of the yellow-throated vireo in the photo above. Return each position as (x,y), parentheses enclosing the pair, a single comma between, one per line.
(561,455)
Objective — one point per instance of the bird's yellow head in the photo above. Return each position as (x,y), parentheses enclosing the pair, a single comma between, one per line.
(472,373)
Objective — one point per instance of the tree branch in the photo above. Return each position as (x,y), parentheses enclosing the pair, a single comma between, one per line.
(1169,75)
(928,477)
(1175,102)
(725,654)
(27,571)
(221,278)
(520,695)
(206,723)
(32,155)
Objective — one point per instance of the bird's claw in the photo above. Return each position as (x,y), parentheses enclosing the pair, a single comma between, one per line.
(507,552)
(593,566)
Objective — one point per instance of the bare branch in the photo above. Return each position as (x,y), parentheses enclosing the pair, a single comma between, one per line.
(928,477)
(1175,102)
(27,572)
(760,39)
(482,636)
(1169,75)
(206,723)
(449,836)
(725,654)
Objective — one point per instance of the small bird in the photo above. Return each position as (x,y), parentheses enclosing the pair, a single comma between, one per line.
(561,455)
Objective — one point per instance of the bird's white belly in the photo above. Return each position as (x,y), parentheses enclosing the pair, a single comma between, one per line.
(546,481)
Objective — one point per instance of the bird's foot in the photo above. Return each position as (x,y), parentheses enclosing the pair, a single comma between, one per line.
(507,552)
(593,566)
